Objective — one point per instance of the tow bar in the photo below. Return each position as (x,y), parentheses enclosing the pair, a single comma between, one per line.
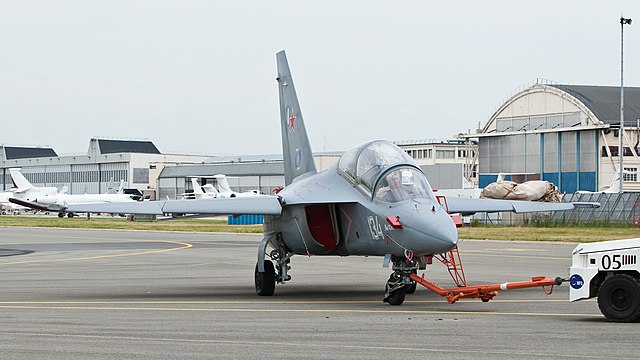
(486,292)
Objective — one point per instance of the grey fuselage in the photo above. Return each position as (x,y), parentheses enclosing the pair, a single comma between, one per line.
(324,214)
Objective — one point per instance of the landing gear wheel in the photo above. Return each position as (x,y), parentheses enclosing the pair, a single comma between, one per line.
(396,297)
(619,298)
(411,288)
(266,281)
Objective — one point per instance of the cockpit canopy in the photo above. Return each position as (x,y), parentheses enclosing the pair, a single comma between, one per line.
(366,163)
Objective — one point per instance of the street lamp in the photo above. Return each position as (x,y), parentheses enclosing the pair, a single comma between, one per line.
(623,21)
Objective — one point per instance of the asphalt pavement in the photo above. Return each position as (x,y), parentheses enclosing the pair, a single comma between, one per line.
(104,294)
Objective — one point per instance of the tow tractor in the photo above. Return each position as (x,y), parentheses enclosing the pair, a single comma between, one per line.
(608,270)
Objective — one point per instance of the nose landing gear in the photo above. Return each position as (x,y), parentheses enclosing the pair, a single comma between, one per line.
(400,282)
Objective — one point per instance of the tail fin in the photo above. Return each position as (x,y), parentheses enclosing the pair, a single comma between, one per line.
(296,150)
(19,180)
(196,187)
(615,184)
(223,183)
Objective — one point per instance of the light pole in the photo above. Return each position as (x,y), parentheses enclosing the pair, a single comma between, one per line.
(623,21)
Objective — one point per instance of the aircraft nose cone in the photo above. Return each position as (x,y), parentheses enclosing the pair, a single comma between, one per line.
(445,230)
(440,230)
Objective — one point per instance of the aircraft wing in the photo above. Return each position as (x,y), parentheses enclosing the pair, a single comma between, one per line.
(258,205)
(472,206)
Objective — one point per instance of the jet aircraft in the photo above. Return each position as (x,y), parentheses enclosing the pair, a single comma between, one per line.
(42,198)
(208,191)
(225,190)
(375,201)
(613,188)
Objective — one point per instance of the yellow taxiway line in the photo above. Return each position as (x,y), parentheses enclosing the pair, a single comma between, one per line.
(333,311)
(182,245)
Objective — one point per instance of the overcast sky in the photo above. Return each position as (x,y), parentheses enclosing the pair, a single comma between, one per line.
(199,76)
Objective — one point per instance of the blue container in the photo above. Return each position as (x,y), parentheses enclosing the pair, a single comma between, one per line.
(245,220)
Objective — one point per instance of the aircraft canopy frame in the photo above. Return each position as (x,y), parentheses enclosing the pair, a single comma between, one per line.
(363,165)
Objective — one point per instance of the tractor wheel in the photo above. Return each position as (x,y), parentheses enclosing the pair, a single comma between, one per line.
(619,298)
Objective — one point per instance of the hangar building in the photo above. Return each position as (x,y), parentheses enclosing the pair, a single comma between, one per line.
(448,164)
(244,173)
(107,161)
(565,134)
(444,162)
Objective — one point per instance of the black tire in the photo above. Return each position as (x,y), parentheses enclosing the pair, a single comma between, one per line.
(411,288)
(60,215)
(397,297)
(266,281)
(619,298)
(71,215)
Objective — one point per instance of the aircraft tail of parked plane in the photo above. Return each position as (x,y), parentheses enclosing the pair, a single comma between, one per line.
(615,184)
(199,191)
(21,182)
(296,150)
(26,189)
(225,189)
(223,183)
(121,187)
(612,189)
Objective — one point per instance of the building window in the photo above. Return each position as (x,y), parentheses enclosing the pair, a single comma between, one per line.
(140,176)
(627,151)
(630,174)
(612,149)
(445,154)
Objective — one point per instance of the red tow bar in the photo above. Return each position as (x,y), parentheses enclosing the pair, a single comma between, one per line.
(486,292)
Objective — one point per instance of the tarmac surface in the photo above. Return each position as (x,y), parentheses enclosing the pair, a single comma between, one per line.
(79,294)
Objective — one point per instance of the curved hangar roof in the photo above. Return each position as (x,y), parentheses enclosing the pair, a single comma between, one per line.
(545,107)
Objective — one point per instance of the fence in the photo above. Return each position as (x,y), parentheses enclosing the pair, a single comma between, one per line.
(614,208)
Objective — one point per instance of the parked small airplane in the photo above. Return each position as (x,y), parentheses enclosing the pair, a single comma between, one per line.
(206,191)
(374,202)
(42,198)
(225,190)
(614,188)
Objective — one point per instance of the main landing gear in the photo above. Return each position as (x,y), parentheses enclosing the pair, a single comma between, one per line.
(266,274)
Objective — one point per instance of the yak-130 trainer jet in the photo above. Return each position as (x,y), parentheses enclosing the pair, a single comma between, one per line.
(374,202)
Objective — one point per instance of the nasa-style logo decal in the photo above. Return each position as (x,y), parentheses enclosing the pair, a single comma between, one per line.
(576,281)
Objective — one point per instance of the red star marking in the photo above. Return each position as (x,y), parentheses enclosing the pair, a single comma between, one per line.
(292,120)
